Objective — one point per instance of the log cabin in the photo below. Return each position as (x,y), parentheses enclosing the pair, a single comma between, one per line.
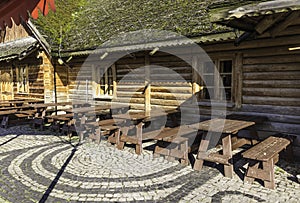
(24,64)
(254,45)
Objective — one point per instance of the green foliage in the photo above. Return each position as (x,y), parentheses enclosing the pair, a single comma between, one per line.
(57,25)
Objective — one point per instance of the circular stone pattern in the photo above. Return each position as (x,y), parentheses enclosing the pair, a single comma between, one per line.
(50,168)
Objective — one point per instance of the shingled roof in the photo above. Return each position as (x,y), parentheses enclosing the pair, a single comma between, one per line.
(90,23)
(18,49)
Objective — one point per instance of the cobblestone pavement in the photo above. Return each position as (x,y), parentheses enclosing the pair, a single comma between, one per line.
(38,166)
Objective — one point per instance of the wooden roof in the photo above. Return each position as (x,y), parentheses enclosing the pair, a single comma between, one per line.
(18,10)
(90,23)
(262,16)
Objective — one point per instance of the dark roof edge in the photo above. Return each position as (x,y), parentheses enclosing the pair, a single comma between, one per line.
(37,35)
(209,38)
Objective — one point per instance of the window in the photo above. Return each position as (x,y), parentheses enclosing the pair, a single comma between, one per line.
(212,90)
(104,82)
(22,79)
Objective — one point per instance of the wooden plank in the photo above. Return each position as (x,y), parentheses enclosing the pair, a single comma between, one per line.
(267,149)
(267,22)
(287,75)
(273,149)
(271,67)
(284,24)
(222,125)
(271,59)
(270,109)
(272,84)
(239,143)
(272,92)
(202,149)
(269,168)
(259,173)
(276,101)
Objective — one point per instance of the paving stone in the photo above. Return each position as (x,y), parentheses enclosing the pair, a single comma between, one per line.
(37,165)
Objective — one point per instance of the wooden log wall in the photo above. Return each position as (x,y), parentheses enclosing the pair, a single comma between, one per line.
(6,83)
(170,80)
(270,83)
(266,83)
(35,73)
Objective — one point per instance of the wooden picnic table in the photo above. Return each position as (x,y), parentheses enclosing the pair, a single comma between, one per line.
(225,129)
(138,120)
(12,103)
(16,103)
(45,105)
(57,120)
(97,110)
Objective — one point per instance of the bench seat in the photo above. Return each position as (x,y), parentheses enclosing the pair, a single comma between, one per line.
(263,157)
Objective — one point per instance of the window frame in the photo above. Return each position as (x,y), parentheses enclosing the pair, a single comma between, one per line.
(217,64)
(104,87)
(22,84)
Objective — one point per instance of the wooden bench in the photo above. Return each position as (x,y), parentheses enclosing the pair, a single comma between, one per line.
(39,119)
(177,143)
(263,157)
(171,142)
(105,127)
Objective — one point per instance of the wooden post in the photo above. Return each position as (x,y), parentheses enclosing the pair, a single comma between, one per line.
(147,84)
(238,79)
(1,88)
(12,82)
(106,82)
(114,75)
(196,79)
(94,81)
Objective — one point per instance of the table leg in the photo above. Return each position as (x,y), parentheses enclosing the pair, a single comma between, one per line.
(254,137)
(139,136)
(226,144)
(202,150)
(252,166)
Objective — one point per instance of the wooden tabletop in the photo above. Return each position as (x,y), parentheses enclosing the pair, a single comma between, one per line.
(7,112)
(141,115)
(96,108)
(44,105)
(222,125)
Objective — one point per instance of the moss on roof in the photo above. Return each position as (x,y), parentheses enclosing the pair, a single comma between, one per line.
(86,24)
(17,48)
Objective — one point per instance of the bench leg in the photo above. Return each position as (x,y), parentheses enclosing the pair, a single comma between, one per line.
(269,168)
(98,135)
(253,165)
(161,148)
(202,149)
(185,149)
(120,144)
(226,144)
(4,123)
